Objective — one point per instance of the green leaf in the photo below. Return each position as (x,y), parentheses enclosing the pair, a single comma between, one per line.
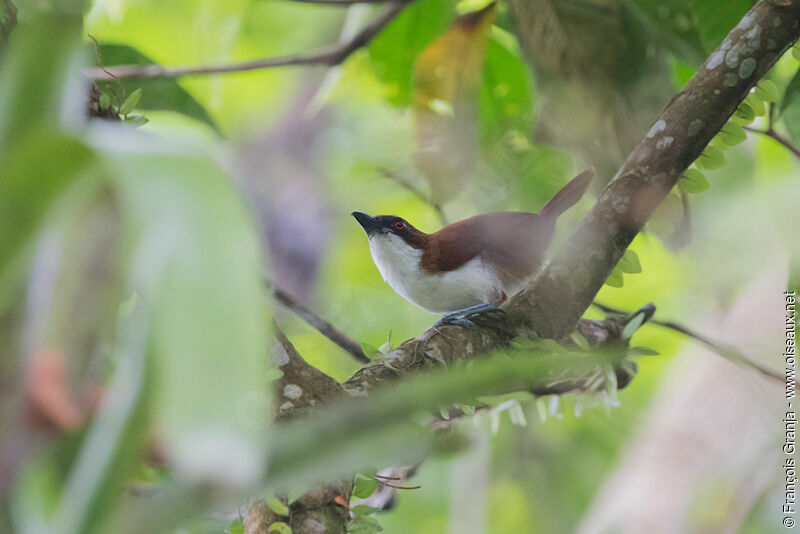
(759,109)
(579,340)
(370,350)
(767,91)
(177,251)
(393,51)
(744,114)
(715,20)
(629,263)
(363,509)
(104,101)
(506,88)
(364,525)
(36,74)
(136,120)
(693,181)
(157,93)
(796,52)
(280,527)
(642,351)
(632,325)
(364,487)
(31,183)
(236,527)
(711,158)
(615,278)
(278,506)
(130,102)
(732,134)
(792,92)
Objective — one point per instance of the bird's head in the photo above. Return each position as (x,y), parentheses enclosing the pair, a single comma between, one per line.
(390,227)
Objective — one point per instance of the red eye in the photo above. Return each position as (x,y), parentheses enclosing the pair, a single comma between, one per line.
(400,225)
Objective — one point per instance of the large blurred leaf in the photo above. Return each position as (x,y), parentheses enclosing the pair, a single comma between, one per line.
(669,23)
(195,264)
(448,74)
(31,178)
(506,91)
(158,93)
(393,52)
(37,74)
(716,18)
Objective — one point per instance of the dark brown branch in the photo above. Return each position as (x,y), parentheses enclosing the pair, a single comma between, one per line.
(729,353)
(770,132)
(330,56)
(353,348)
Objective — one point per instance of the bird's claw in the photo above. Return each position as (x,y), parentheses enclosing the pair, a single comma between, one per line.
(468,316)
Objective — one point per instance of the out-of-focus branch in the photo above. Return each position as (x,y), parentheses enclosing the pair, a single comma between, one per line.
(770,132)
(729,353)
(337,2)
(402,182)
(325,328)
(329,56)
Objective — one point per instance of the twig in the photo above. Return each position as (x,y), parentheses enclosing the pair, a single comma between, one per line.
(770,132)
(330,56)
(419,194)
(324,327)
(728,353)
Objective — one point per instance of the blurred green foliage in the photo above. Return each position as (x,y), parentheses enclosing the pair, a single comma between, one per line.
(178,334)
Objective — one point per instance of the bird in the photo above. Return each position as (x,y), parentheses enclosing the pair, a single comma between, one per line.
(470,266)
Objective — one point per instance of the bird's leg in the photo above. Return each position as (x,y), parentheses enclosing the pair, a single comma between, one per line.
(461,317)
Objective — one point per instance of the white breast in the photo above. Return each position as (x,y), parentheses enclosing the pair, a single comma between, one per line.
(466,286)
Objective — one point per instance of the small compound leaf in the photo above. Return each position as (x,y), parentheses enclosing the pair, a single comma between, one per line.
(711,158)
(236,527)
(579,340)
(364,487)
(744,114)
(280,527)
(363,509)
(767,91)
(278,506)
(732,134)
(642,351)
(693,181)
(629,263)
(615,279)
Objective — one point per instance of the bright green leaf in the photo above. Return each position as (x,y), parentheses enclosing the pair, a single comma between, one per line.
(759,109)
(236,527)
(280,528)
(629,263)
(732,134)
(615,279)
(363,509)
(130,102)
(711,158)
(579,340)
(767,91)
(642,351)
(364,487)
(278,506)
(693,181)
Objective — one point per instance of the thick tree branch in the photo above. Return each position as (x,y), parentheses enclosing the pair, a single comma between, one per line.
(554,302)
(330,56)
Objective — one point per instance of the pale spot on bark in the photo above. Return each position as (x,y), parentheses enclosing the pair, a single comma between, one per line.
(313,526)
(664,142)
(659,126)
(695,126)
(747,67)
(292,391)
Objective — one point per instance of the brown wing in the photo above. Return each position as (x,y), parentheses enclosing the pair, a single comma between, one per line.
(514,242)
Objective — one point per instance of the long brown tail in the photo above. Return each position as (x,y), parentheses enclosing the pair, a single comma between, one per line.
(569,195)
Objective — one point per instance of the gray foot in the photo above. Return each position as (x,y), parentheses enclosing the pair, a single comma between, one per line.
(462,317)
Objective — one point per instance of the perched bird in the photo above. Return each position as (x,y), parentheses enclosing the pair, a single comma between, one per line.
(470,266)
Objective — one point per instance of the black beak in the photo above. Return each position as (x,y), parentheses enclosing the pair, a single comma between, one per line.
(367,222)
